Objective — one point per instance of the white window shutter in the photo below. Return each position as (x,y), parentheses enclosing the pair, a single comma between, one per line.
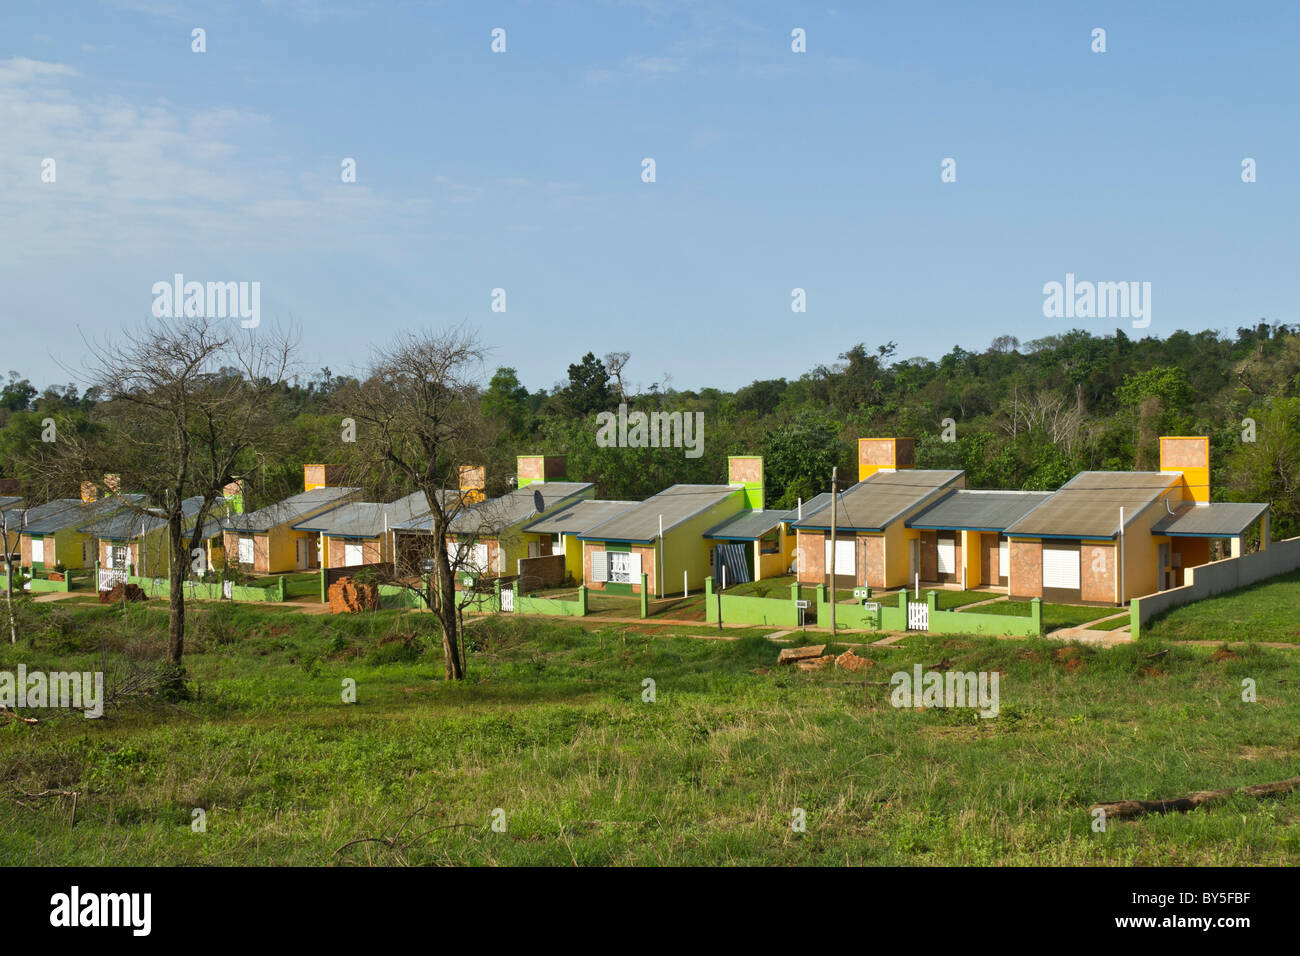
(1060,568)
(599,566)
(947,563)
(634,567)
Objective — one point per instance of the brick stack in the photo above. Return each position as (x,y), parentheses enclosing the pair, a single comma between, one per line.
(347,597)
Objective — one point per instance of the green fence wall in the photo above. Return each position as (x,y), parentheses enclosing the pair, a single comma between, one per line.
(783,612)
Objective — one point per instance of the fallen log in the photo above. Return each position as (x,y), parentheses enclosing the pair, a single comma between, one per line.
(6,712)
(1136,808)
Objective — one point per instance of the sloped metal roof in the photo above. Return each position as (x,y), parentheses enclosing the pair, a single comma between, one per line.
(65,513)
(880,499)
(1087,506)
(366,519)
(498,514)
(964,510)
(7,502)
(749,525)
(580,516)
(125,524)
(1220,519)
(676,505)
(291,509)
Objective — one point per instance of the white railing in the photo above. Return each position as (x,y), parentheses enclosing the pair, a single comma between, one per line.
(109,578)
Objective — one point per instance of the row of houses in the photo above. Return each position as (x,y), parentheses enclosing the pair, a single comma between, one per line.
(1102,538)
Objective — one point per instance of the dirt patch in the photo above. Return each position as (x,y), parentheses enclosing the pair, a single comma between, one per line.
(1074,664)
(1223,654)
(123,592)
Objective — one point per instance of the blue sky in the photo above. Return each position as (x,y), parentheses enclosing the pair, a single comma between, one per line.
(522,171)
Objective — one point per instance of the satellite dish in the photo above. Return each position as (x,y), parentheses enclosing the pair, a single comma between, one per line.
(539,503)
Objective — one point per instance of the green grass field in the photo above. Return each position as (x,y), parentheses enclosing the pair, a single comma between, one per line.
(1267,611)
(1054,615)
(551,729)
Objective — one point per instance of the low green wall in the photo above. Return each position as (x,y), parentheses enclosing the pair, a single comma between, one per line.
(531,605)
(395,596)
(302,587)
(40,584)
(744,609)
(210,591)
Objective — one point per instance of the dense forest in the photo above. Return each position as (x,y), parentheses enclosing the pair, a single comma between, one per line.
(1016,415)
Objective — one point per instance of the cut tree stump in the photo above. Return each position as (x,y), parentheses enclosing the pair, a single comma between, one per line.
(1136,808)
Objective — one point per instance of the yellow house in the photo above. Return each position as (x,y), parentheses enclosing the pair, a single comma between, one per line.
(52,533)
(558,533)
(361,532)
(661,537)
(873,545)
(130,541)
(488,538)
(963,541)
(266,542)
(1107,537)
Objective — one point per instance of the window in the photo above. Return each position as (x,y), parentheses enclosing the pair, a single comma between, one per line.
(353,555)
(947,555)
(245,549)
(38,550)
(1060,568)
(600,566)
(117,557)
(845,557)
(624,567)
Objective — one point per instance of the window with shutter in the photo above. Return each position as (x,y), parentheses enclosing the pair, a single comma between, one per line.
(245,549)
(947,556)
(600,566)
(352,555)
(1060,568)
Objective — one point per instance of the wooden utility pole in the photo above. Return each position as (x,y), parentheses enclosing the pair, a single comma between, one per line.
(835,474)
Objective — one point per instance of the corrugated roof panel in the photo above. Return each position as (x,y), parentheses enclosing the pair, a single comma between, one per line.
(580,516)
(676,504)
(978,510)
(291,509)
(881,499)
(366,519)
(1087,506)
(1220,519)
(749,524)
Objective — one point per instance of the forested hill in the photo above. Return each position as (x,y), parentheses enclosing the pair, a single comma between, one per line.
(1022,415)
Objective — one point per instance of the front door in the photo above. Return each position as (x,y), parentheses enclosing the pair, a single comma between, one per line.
(303,544)
(1162,570)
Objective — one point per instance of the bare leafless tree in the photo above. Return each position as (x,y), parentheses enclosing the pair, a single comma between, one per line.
(615,362)
(417,419)
(184,401)
(1049,412)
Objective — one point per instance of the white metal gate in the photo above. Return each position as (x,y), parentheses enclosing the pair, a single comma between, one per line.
(110,577)
(507,599)
(918,616)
